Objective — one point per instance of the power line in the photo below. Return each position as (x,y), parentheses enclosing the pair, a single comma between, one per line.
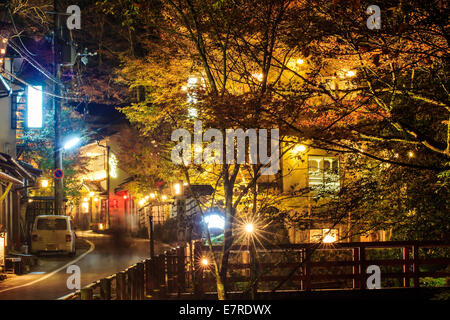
(36,88)
(33,62)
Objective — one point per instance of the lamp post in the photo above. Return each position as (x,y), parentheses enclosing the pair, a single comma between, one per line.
(59,184)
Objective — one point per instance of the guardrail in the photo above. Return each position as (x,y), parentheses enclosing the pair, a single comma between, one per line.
(303,265)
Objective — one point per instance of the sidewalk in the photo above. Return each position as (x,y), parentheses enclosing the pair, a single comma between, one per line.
(44,266)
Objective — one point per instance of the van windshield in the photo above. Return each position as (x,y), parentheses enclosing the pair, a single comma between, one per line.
(52,224)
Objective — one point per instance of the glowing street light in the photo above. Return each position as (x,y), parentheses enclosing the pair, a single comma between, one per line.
(249,228)
(163,197)
(299,148)
(71,143)
(205,262)
(177,187)
(44,183)
(152,195)
(215,221)
(91,194)
(411,154)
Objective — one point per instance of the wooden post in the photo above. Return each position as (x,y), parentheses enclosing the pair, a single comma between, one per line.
(362,270)
(130,283)
(170,273)
(121,290)
(416,269)
(86,294)
(105,289)
(161,275)
(356,265)
(198,270)
(253,270)
(141,280)
(308,257)
(181,269)
(406,266)
(148,281)
(302,268)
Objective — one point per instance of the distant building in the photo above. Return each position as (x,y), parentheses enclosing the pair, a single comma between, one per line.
(98,201)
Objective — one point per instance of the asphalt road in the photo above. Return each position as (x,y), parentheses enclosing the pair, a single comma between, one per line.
(98,257)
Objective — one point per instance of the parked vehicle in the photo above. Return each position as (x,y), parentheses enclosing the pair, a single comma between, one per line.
(53,233)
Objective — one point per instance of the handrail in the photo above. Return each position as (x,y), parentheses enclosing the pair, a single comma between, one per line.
(174,273)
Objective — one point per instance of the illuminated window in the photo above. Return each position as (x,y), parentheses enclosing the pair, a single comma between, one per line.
(323,173)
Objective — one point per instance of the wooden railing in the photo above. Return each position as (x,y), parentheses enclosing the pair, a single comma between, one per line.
(298,267)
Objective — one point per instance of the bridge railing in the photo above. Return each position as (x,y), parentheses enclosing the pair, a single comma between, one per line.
(298,267)
(335,266)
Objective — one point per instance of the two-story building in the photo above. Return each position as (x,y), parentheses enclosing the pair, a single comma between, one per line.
(106,201)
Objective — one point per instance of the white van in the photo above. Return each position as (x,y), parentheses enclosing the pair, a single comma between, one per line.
(53,234)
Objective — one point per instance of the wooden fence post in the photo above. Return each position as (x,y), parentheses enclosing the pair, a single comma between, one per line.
(356,266)
(406,266)
(86,294)
(130,283)
(362,270)
(302,268)
(170,273)
(181,269)
(161,275)
(120,286)
(416,269)
(308,256)
(105,289)
(148,274)
(140,280)
(198,270)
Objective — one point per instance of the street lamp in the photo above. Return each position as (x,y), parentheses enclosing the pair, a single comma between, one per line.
(71,143)
(205,262)
(249,228)
(44,183)
(178,188)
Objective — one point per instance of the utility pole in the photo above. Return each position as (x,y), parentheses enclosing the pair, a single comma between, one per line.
(58,204)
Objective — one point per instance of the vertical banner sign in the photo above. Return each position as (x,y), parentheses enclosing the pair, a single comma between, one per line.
(34,107)
(2,248)
(18,113)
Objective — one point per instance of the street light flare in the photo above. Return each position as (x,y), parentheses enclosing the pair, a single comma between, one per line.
(249,228)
